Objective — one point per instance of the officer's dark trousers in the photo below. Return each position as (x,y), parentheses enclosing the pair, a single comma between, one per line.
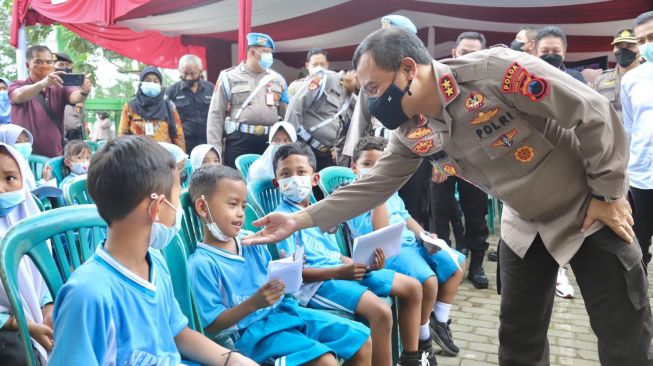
(415,194)
(642,201)
(473,203)
(194,135)
(613,283)
(239,143)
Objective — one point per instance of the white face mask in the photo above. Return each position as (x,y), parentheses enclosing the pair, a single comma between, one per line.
(296,188)
(363,172)
(80,167)
(213,227)
(161,235)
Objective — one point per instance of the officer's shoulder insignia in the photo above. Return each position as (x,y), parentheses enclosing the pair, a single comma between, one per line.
(419,132)
(524,154)
(485,116)
(315,83)
(517,80)
(423,146)
(448,87)
(474,101)
(505,139)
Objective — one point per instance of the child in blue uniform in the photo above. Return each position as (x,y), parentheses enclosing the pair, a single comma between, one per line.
(333,281)
(118,308)
(432,270)
(232,291)
(76,160)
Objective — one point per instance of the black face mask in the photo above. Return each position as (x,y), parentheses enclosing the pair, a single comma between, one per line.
(183,176)
(387,108)
(517,46)
(67,70)
(625,57)
(191,82)
(553,59)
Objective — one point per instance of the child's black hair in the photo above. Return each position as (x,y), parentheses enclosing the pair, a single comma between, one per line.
(205,180)
(369,143)
(127,170)
(72,148)
(296,148)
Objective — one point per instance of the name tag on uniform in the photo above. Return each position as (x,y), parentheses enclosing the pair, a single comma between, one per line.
(149,129)
(269,98)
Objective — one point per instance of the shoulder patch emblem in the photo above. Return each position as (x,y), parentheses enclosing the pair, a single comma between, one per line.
(423,146)
(485,116)
(518,80)
(448,87)
(524,154)
(315,83)
(419,132)
(474,101)
(449,169)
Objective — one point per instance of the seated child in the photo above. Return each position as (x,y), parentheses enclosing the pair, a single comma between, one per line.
(180,159)
(333,281)
(76,159)
(16,203)
(232,293)
(432,270)
(281,133)
(204,154)
(21,139)
(118,308)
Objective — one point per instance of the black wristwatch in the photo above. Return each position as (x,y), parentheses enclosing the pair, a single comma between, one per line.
(605,199)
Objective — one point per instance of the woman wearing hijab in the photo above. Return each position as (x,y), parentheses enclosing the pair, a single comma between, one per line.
(16,203)
(5,104)
(150,113)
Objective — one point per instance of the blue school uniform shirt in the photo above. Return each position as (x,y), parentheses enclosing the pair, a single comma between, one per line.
(107,315)
(321,250)
(222,280)
(362,224)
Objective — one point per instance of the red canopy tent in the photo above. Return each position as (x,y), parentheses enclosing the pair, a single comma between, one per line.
(160,31)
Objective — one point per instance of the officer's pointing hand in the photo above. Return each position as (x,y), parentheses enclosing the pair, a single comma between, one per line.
(277,226)
(616,215)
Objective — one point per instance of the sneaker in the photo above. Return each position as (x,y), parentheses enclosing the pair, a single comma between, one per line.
(493,256)
(443,337)
(563,287)
(413,359)
(428,353)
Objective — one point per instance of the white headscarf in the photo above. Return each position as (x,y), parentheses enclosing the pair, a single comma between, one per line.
(177,153)
(32,286)
(262,168)
(199,152)
(9,133)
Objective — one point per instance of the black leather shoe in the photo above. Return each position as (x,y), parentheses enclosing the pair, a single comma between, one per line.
(493,256)
(478,278)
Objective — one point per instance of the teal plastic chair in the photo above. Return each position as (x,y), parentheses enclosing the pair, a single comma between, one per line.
(80,227)
(188,168)
(38,202)
(75,192)
(49,197)
(334,176)
(243,163)
(264,196)
(250,216)
(191,224)
(36,164)
(93,145)
(57,168)
(176,256)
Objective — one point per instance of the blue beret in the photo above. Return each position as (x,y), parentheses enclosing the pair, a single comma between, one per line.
(399,21)
(260,39)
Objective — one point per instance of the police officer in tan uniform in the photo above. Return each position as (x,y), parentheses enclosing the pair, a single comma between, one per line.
(548,146)
(319,110)
(626,52)
(249,99)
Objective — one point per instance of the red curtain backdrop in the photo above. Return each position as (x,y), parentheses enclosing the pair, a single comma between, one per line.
(244,26)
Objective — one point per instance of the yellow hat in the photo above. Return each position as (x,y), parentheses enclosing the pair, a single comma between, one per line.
(624,35)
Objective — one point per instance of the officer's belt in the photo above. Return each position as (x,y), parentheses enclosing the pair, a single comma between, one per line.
(258,130)
(311,141)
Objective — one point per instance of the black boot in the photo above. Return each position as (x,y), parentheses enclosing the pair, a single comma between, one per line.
(476,272)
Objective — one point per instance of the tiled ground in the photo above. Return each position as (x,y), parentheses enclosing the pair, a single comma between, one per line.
(476,322)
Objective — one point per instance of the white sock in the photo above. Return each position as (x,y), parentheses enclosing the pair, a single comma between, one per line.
(442,311)
(424,332)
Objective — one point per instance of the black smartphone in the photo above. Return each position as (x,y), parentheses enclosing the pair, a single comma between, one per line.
(72,79)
